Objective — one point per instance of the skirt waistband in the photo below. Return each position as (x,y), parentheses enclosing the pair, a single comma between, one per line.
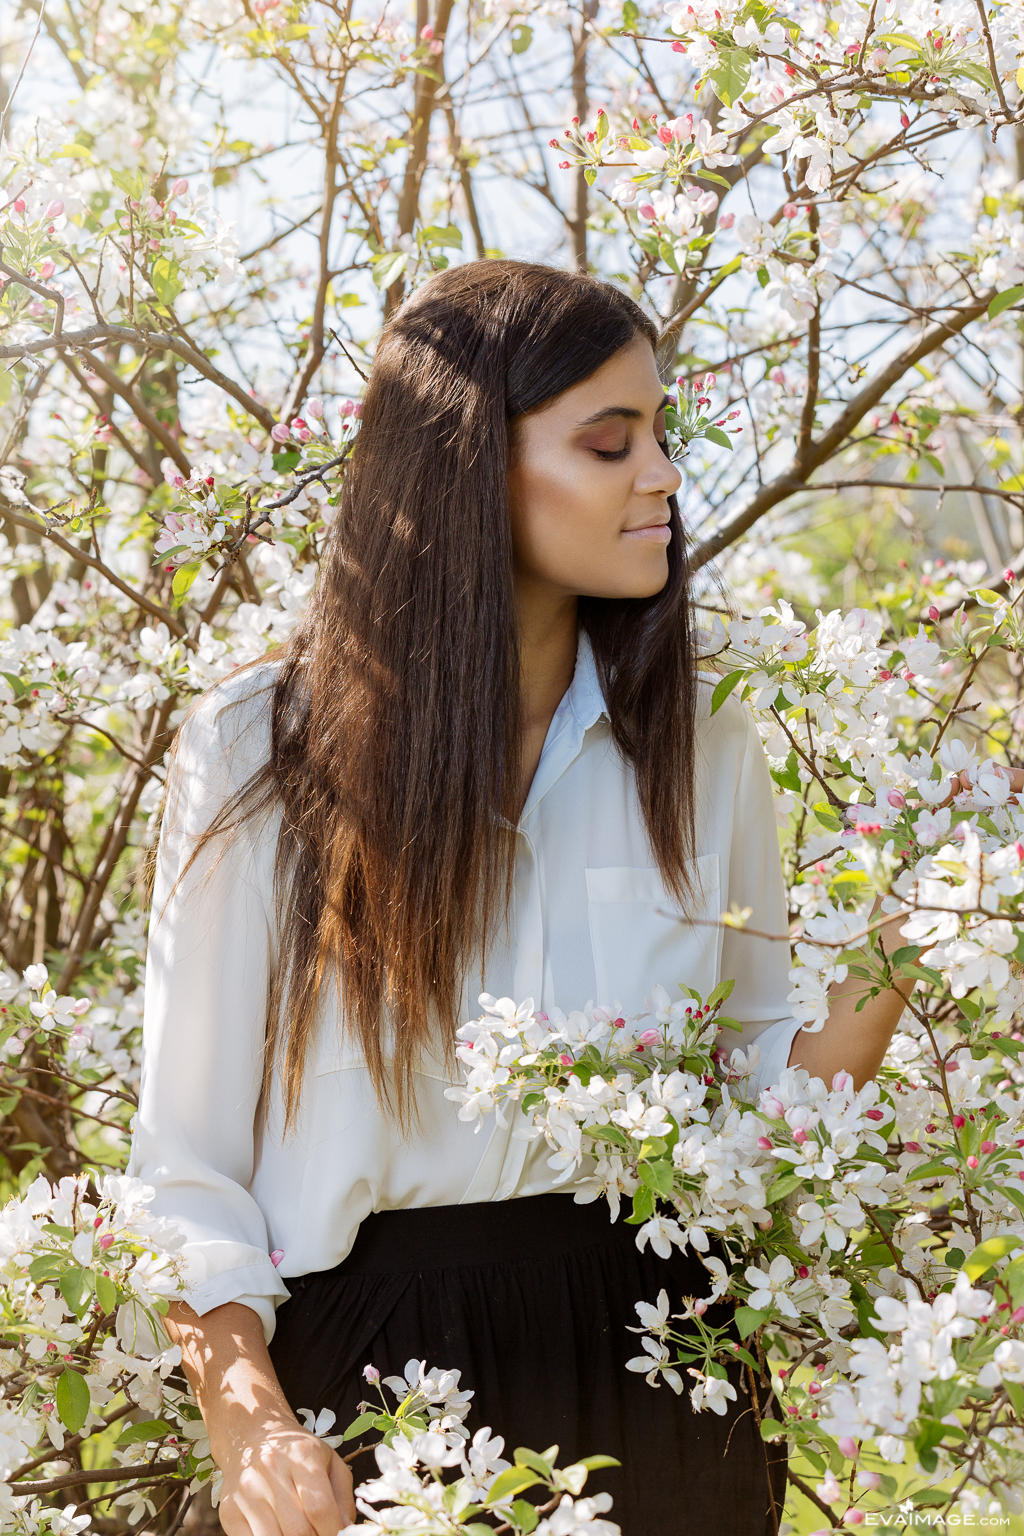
(484,1232)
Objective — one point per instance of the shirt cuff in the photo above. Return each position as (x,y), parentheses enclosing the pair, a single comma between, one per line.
(257,1285)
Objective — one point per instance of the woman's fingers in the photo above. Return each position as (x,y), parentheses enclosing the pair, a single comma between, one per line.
(242,1516)
(963,780)
(340,1474)
(327,1504)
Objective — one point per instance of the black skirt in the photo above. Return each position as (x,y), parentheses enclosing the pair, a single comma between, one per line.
(531,1299)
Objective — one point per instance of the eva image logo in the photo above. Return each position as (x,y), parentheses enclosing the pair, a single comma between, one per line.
(907,1517)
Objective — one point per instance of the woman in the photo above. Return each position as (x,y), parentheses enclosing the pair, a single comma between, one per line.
(486,761)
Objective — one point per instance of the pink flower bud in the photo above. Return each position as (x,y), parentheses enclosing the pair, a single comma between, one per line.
(934,614)
(315,408)
(650,1037)
(853,1517)
(790,210)
(727,221)
(1009,577)
(371,1374)
(665,134)
(700,1306)
(959,1122)
(904,120)
(972,1162)
(46,270)
(896,799)
(952,1066)
(426,33)
(179,186)
(989,1146)
(54,209)
(646,211)
(765,1144)
(848,1446)
(565,1060)
(107,1241)
(277,1256)
(772,1107)
(874,1114)
(678,47)
(842,1081)
(1018,1316)
(777,376)
(767,1224)
(279,432)
(800,1136)
(19,205)
(912,1146)
(357,409)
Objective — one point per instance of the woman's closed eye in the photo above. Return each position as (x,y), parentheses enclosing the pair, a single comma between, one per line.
(613,453)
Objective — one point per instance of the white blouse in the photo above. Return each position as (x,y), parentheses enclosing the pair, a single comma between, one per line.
(586,925)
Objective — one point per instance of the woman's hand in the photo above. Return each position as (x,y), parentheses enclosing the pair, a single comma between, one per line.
(962,781)
(280,1480)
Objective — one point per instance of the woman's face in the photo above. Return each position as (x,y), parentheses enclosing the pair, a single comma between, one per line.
(589,484)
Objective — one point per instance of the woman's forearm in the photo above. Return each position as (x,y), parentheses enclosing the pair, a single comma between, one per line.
(850,1041)
(225,1357)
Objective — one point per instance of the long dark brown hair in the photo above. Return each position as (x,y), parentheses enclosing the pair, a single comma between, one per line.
(395,716)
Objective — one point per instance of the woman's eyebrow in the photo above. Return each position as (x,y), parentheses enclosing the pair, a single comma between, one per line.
(629,411)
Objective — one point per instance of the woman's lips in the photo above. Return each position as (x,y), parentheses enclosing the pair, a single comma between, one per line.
(655,533)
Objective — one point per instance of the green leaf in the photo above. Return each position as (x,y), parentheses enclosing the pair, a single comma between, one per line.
(590,175)
(388,268)
(166,280)
(106,1293)
(730,74)
(1004,300)
(748,1319)
(76,1288)
(149,1429)
(827,816)
(788,777)
(630,15)
(763,277)
(783,1186)
(6,385)
(771,1429)
(594,1463)
(716,435)
(522,37)
(72,1399)
(721,993)
(512,1480)
(1013,1194)
(658,1176)
(525,1515)
(723,688)
(364,1421)
(985,1255)
(182,582)
(443,234)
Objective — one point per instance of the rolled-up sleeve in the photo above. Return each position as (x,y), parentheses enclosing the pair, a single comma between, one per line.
(207,975)
(759,966)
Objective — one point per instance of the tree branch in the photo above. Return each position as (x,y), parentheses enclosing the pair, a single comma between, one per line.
(795,478)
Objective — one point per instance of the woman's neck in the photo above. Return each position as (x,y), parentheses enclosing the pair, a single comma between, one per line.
(548,631)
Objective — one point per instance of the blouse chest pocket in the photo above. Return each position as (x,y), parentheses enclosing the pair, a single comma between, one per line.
(641,935)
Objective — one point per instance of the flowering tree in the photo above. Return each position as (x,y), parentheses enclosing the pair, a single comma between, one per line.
(820,204)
